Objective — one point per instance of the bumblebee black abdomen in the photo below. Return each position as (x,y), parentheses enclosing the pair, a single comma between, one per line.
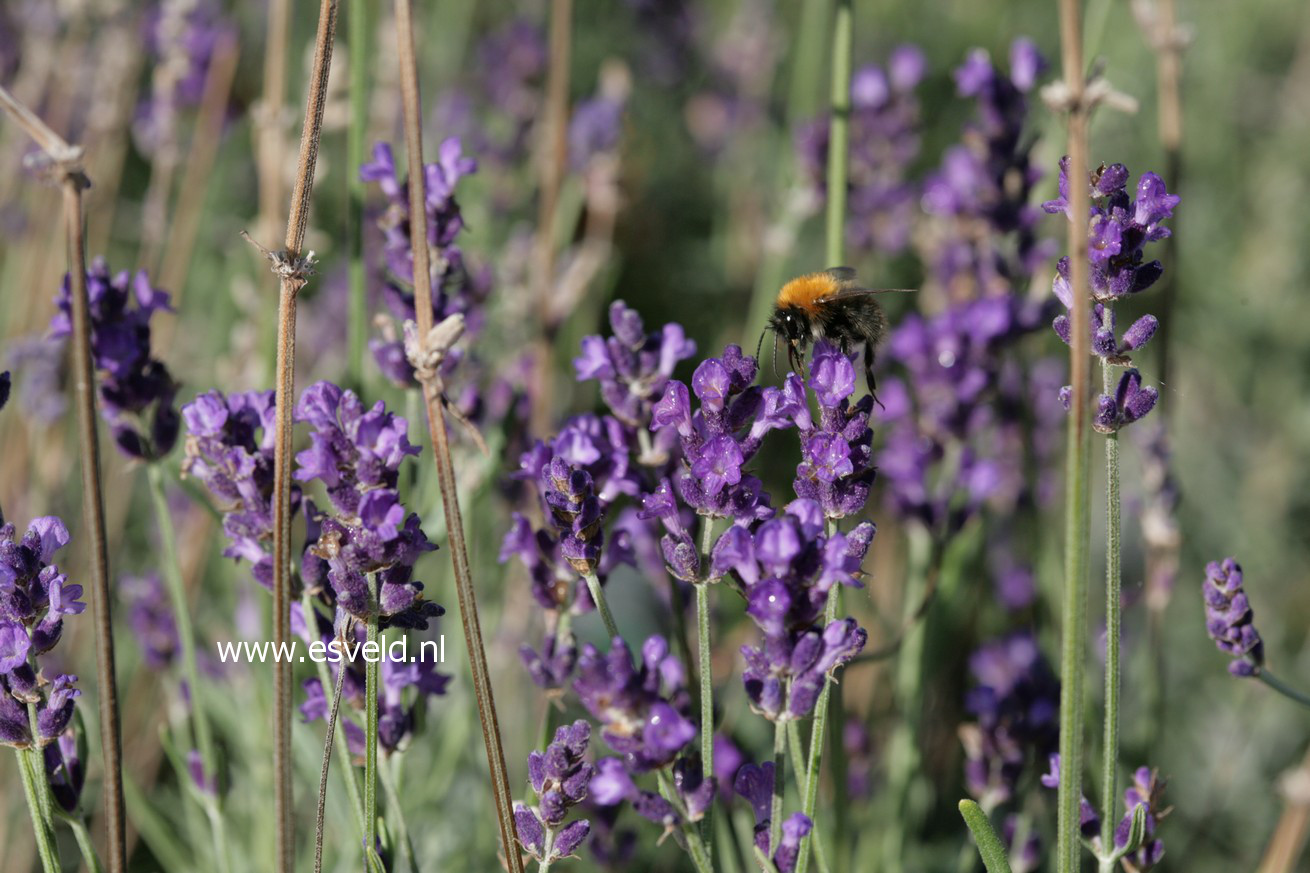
(852,322)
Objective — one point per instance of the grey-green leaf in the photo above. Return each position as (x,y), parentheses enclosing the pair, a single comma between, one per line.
(994,856)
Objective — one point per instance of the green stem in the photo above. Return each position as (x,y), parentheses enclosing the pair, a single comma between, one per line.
(40,781)
(84,842)
(172,569)
(371,665)
(1113,581)
(1074,609)
(706,677)
(320,815)
(357,325)
(700,857)
(598,598)
(342,749)
(45,845)
(1283,688)
(810,801)
(839,140)
(779,783)
(396,814)
(798,763)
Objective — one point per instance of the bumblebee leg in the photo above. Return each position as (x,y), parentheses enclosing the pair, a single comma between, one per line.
(868,374)
(796,357)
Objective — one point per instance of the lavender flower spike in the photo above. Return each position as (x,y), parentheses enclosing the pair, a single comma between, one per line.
(561,779)
(1229,619)
(136,390)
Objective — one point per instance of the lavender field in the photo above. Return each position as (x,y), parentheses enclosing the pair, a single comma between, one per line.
(847,437)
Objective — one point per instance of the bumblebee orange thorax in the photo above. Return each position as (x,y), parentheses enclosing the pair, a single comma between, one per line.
(806,292)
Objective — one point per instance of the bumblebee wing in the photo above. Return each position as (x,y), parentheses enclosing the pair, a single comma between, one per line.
(840,275)
(847,293)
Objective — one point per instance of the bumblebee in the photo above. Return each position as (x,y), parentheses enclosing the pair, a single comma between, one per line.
(832,306)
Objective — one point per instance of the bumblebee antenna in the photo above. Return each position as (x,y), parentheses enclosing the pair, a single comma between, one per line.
(759,345)
(775,355)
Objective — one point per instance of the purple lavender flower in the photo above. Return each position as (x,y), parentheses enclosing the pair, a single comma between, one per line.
(787,566)
(229,448)
(1089,822)
(858,743)
(561,778)
(962,400)
(1229,619)
(613,784)
(1026,858)
(595,129)
(633,366)
(643,710)
(588,448)
(455,287)
(1145,792)
(884,142)
(551,668)
(754,783)
(65,769)
(34,599)
(984,238)
(512,67)
(39,366)
(725,432)
(405,689)
(1016,703)
(1130,402)
(836,469)
(357,454)
(1120,229)
(180,41)
(136,390)
(150,616)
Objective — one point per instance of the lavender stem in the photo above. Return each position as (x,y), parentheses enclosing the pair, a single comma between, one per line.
(67,159)
(1113,582)
(602,605)
(700,858)
(433,401)
(706,679)
(1074,611)
(293,279)
(342,749)
(839,143)
(84,844)
(798,763)
(1282,687)
(779,783)
(371,665)
(405,858)
(45,846)
(321,811)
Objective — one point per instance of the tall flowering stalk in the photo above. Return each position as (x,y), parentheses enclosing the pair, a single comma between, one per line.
(430,349)
(36,711)
(1074,609)
(293,271)
(1120,229)
(66,167)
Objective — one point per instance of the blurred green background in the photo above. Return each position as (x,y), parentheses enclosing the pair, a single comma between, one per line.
(690,245)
